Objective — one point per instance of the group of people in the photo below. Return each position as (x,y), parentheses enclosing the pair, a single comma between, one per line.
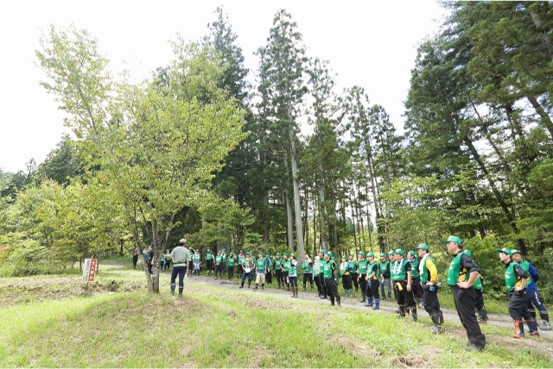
(412,277)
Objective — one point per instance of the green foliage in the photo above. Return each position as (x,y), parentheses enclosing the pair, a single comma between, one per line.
(20,256)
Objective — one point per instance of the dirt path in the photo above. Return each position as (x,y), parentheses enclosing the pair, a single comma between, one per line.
(498,320)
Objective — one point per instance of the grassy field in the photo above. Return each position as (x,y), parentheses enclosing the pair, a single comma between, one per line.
(55,322)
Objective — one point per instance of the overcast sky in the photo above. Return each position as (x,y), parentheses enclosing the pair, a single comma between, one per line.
(368,43)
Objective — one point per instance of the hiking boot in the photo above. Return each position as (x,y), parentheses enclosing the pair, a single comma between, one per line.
(519,329)
(473,347)
(545,326)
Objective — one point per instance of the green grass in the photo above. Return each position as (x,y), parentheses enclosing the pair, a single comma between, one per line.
(216,327)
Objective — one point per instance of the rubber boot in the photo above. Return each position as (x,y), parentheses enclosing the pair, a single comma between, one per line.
(173,289)
(533,327)
(362,296)
(414,313)
(376,304)
(339,300)
(369,301)
(297,290)
(438,321)
(519,329)
(401,312)
(332,300)
(483,316)
(545,325)
(262,286)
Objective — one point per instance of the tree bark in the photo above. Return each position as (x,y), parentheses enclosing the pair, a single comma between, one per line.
(297,202)
(545,118)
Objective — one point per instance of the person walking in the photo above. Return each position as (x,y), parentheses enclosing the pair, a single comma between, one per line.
(210,260)
(373,283)
(516,279)
(180,257)
(385,276)
(428,275)
(461,275)
(534,299)
(196,262)
(330,271)
(278,270)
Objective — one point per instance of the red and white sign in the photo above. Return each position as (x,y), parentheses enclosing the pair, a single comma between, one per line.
(89,269)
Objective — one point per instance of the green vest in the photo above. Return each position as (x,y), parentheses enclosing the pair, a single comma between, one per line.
(286,265)
(208,256)
(261,265)
(477,284)
(373,267)
(218,259)
(398,271)
(241,259)
(511,277)
(383,266)
(415,268)
(292,269)
(230,261)
(196,258)
(526,266)
(352,265)
(363,265)
(306,267)
(454,273)
(425,276)
(327,269)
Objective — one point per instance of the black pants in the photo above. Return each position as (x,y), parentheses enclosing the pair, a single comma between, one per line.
(404,298)
(416,288)
(466,306)
(363,285)
(278,273)
(320,285)
(332,290)
(354,280)
(430,300)
(372,289)
(307,277)
(230,271)
(347,282)
(518,305)
(269,277)
(134,261)
(248,275)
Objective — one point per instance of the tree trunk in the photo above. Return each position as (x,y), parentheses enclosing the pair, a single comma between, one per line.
(499,198)
(306,220)
(289,223)
(322,208)
(545,118)
(297,202)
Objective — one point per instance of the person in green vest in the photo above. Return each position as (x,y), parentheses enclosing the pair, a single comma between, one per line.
(196,262)
(293,274)
(362,264)
(317,275)
(167,258)
(478,287)
(416,285)
(402,281)
(461,275)
(285,266)
(353,269)
(210,261)
(391,259)
(385,276)
(373,283)
(247,269)
(516,279)
(261,270)
(240,261)
(231,260)
(278,270)
(307,267)
(219,265)
(345,274)
(180,257)
(330,271)
(269,274)
(532,289)
(428,277)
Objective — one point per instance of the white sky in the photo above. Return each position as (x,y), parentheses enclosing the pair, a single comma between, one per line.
(368,43)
